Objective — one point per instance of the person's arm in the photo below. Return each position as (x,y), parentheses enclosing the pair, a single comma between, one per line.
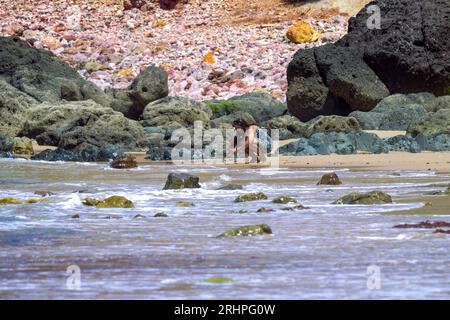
(251,134)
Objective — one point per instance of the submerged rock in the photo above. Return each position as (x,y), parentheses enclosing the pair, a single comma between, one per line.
(425,224)
(251,197)
(231,187)
(15,201)
(125,162)
(264,209)
(111,202)
(374,197)
(284,199)
(248,231)
(185,204)
(181,181)
(218,280)
(330,179)
(161,215)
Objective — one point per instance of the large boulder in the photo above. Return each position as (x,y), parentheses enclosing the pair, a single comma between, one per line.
(40,75)
(150,85)
(261,106)
(84,153)
(432,125)
(288,127)
(182,181)
(332,124)
(396,112)
(71,124)
(408,54)
(175,110)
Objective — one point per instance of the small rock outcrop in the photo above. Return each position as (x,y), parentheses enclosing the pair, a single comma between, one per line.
(181,181)
(251,197)
(247,231)
(110,202)
(331,179)
(374,197)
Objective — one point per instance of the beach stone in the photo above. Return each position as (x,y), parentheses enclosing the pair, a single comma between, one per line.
(22,145)
(261,106)
(396,112)
(302,32)
(329,179)
(284,200)
(175,110)
(85,153)
(251,197)
(373,197)
(408,54)
(71,124)
(247,231)
(231,187)
(110,202)
(124,162)
(181,181)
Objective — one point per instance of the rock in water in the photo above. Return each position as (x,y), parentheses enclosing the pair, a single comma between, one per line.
(330,179)
(407,54)
(181,181)
(284,199)
(247,231)
(231,187)
(126,162)
(251,197)
(111,202)
(374,197)
(85,153)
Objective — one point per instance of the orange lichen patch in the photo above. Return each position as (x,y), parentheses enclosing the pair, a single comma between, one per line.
(302,32)
(125,72)
(209,58)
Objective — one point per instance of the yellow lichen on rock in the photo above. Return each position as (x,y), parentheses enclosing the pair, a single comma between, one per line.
(302,32)
(15,201)
(209,58)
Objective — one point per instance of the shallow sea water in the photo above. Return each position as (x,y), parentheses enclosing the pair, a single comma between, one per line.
(320,253)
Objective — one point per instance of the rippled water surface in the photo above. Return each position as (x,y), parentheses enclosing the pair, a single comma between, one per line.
(322,252)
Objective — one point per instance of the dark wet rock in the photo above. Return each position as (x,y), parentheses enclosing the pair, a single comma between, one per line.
(231,187)
(179,111)
(161,215)
(138,216)
(4,154)
(329,179)
(408,54)
(110,202)
(181,181)
(69,125)
(242,211)
(159,151)
(295,208)
(247,231)
(44,193)
(441,231)
(264,210)
(124,162)
(251,197)
(43,77)
(75,216)
(227,120)
(396,112)
(373,197)
(261,106)
(425,225)
(327,124)
(403,144)
(284,200)
(289,127)
(335,142)
(85,153)
(22,145)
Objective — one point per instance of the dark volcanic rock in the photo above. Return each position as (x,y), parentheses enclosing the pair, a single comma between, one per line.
(408,54)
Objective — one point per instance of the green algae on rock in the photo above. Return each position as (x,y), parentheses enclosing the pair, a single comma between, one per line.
(111,202)
(263,210)
(161,215)
(284,199)
(125,162)
(181,181)
(15,201)
(218,280)
(373,197)
(330,179)
(251,197)
(185,204)
(247,231)
(238,211)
